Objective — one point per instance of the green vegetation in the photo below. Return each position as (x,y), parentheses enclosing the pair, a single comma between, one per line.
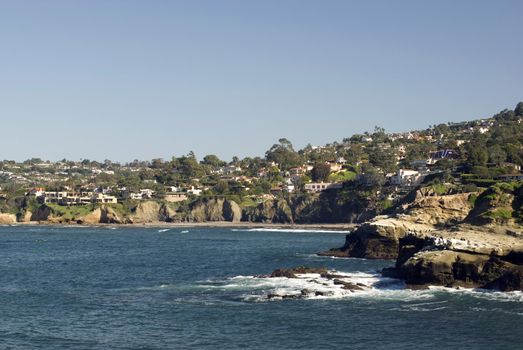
(500,203)
(71,213)
(342,176)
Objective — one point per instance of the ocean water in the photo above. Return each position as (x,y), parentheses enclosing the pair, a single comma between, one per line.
(196,288)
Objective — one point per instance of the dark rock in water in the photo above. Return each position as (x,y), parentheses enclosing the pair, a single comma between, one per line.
(347,285)
(453,268)
(284,296)
(304,293)
(370,241)
(410,245)
(331,276)
(508,281)
(291,273)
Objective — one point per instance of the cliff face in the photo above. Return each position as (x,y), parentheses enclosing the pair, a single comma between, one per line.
(379,238)
(277,211)
(7,218)
(102,215)
(434,209)
(145,212)
(214,210)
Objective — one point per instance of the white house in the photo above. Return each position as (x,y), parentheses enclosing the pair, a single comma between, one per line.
(405,177)
(322,186)
(194,191)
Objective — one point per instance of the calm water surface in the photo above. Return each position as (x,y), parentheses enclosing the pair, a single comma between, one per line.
(151,288)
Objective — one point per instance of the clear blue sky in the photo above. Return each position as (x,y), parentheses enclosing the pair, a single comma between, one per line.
(145,79)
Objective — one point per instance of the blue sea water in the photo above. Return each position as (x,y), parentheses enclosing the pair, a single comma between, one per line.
(193,288)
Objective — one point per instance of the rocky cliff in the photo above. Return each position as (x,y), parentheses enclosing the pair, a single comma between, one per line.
(214,210)
(492,261)
(102,215)
(7,218)
(276,211)
(450,240)
(379,238)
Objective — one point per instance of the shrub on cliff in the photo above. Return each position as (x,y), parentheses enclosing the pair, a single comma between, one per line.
(499,204)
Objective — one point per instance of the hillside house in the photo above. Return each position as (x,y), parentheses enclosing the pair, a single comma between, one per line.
(322,186)
(174,197)
(406,177)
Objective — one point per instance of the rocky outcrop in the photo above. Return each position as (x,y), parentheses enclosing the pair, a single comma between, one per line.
(145,212)
(499,204)
(271,211)
(102,215)
(438,210)
(42,213)
(217,209)
(91,218)
(7,218)
(232,211)
(378,239)
(292,273)
(435,261)
(167,214)
(210,210)
(24,216)
(109,216)
(319,281)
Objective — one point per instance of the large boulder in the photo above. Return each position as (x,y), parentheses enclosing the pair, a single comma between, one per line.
(377,239)
(42,213)
(451,268)
(109,216)
(167,213)
(496,263)
(91,218)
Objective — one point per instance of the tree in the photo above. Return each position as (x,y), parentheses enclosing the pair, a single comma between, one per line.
(497,154)
(441,129)
(477,153)
(519,109)
(283,153)
(320,172)
(213,161)
(382,158)
(189,166)
(379,134)
(157,163)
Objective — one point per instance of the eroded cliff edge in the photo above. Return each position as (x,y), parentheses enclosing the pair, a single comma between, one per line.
(464,239)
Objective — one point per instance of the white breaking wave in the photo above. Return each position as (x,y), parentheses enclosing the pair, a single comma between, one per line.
(371,286)
(164,230)
(290,230)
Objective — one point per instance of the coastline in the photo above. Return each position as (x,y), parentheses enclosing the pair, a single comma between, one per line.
(335,228)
